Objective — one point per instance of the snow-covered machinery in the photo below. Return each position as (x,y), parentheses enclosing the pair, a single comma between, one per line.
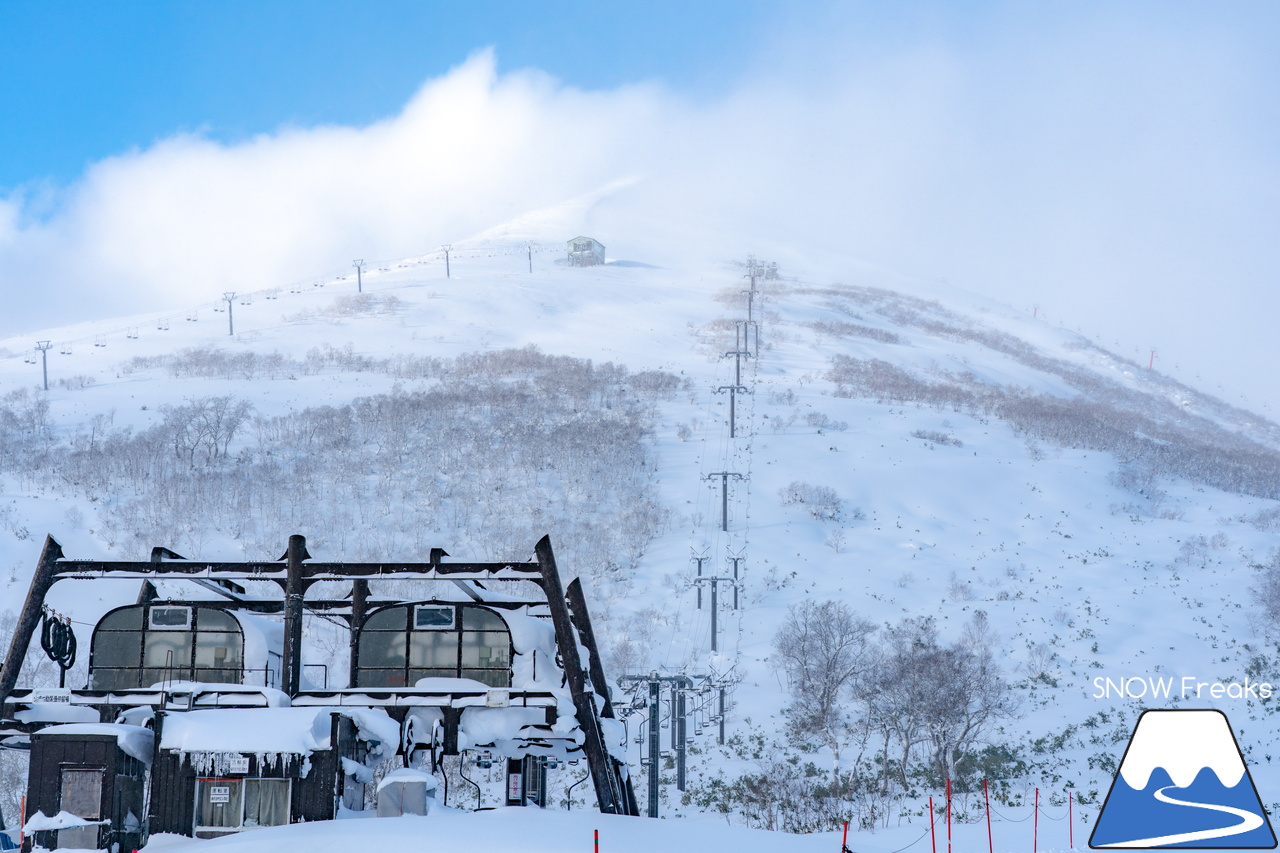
(236,736)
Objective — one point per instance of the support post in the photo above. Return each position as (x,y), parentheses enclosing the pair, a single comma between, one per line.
(582,620)
(29,618)
(359,265)
(681,713)
(722,716)
(734,391)
(604,775)
(724,495)
(44,346)
(696,582)
(293,592)
(230,297)
(714,610)
(655,751)
(359,608)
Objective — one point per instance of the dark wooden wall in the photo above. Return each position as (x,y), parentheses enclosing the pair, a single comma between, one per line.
(122,782)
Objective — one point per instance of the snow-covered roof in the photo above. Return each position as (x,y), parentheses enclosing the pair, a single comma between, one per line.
(56,712)
(135,741)
(40,822)
(295,731)
(408,776)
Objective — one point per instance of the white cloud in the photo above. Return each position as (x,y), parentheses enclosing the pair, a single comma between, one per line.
(1120,171)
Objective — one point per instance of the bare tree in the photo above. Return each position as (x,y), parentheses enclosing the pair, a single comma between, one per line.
(825,651)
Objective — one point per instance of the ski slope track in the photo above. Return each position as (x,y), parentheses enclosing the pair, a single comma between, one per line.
(1104,520)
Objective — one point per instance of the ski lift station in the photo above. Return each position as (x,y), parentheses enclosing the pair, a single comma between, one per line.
(585,252)
(200,718)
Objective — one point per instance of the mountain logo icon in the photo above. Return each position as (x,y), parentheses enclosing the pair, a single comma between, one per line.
(1183,783)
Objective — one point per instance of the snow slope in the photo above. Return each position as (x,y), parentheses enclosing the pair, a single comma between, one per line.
(945,510)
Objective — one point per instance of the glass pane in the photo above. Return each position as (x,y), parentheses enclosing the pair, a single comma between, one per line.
(218,802)
(208,619)
(78,838)
(417,674)
(433,649)
(266,802)
(491,677)
(114,679)
(487,649)
(160,675)
(82,793)
(117,649)
(125,619)
(382,648)
(479,619)
(388,619)
(379,677)
(431,617)
(218,651)
(159,645)
(178,618)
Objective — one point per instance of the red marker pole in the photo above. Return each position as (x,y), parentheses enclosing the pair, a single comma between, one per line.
(933,837)
(1035,826)
(949,816)
(844,842)
(991,845)
(597,841)
(1071,823)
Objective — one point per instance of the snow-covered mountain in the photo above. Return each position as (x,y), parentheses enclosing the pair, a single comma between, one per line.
(1077,523)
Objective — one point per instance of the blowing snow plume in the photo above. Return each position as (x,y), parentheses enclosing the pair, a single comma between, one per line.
(1115,168)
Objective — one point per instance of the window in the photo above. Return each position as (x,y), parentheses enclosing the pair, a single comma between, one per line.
(170,619)
(178,643)
(235,804)
(402,644)
(432,618)
(81,795)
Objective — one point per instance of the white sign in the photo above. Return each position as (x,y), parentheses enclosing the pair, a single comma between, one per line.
(220,794)
(239,764)
(515,786)
(56,695)
(497,698)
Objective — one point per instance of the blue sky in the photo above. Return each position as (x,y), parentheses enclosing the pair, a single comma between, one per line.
(84,80)
(1117,164)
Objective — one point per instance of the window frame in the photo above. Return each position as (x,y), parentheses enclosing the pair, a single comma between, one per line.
(202,783)
(186,669)
(459,669)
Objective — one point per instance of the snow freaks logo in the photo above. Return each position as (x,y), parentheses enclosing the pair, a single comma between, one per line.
(1188,687)
(1183,783)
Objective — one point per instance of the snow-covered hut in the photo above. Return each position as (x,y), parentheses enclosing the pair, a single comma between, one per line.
(87,786)
(405,791)
(585,252)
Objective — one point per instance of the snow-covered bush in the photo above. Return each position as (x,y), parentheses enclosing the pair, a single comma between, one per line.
(821,502)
